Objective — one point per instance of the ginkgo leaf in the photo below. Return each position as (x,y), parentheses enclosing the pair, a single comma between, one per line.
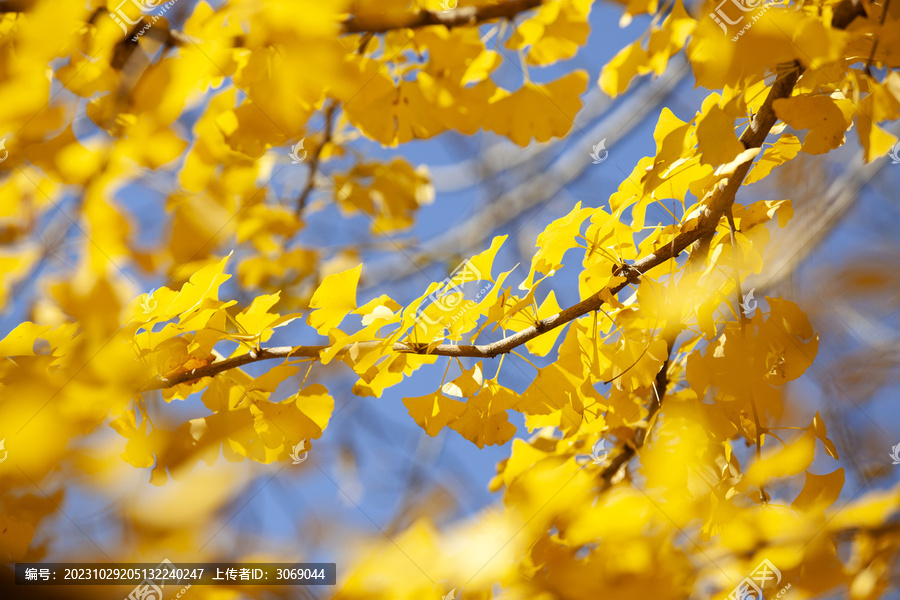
(484,420)
(790,460)
(382,308)
(635,60)
(303,416)
(784,149)
(821,432)
(552,243)
(334,299)
(555,32)
(716,140)
(203,284)
(482,263)
(820,115)
(819,491)
(542,345)
(467,384)
(875,141)
(256,319)
(538,112)
(391,192)
(637,360)
(432,412)
(20,341)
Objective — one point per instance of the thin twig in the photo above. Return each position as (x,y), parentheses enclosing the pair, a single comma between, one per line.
(330,109)
(884,12)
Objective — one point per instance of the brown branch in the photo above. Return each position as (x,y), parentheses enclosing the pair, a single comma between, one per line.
(660,384)
(15,6)
(720,200)
(884,12)
(465,15)
(330,108)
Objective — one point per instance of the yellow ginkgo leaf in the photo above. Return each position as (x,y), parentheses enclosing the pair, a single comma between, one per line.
(432,412)
(484,420)
(538,112)
(554,33)
(202,285)
(634,60)
(716,139)
(256,319)
(783,150)
(467,384)
(820,115)
(819,492)
(552,243)
(790,460)
(333,299)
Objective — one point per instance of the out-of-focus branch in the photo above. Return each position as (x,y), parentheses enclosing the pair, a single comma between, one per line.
(15,6)
(464,15)
(330,109)
(810,229)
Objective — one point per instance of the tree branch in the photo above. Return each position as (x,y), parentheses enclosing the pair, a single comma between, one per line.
(629,451)
(720,200)
(465,15)
(316,156)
